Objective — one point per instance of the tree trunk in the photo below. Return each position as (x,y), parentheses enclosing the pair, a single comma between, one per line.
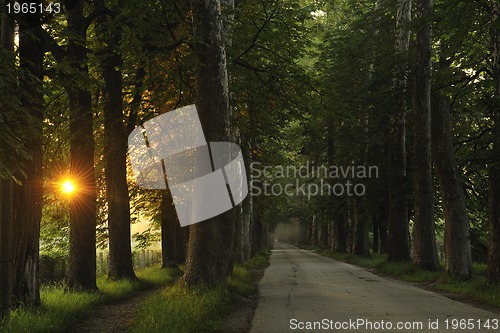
(457,235)
(323,235)
(6,216)
(238,235)
(376,233)
(247,220)
(210,253)
(28,196)
(383,222)
(6,197)
(361,227)
(494,170)
(398,244)
(82,258)
(115,156)
(424,239)
(339,230)
(172,238)
(257,234)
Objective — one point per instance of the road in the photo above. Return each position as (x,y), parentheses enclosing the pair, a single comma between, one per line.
(305,292)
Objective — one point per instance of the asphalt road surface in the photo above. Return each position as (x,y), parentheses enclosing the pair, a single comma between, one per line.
(305,292)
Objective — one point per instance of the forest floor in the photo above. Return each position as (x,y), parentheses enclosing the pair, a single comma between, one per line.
(115,316)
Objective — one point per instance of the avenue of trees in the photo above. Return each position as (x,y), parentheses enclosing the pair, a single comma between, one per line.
(411,87)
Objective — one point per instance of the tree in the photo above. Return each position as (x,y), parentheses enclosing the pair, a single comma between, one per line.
(173,240)
(424,241)
(494,169)
(398,207)
(115,153)
(209,256)
(6,188)
(82,261)
(6,216)
(28,195)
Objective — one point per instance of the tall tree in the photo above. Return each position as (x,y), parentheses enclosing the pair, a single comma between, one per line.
(398,248)
(173,242)
(115,153)
(28,196)
(82,261)
(6,216)
(424,240)
(6,190)
(494,170)
(209,257)
(457,234)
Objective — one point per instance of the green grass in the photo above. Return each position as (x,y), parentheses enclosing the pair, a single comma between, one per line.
(179,310)
(198,309)
(60,309)
(241,281)
(476,288)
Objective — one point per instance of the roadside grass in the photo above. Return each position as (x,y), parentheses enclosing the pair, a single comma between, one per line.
(198,309)
(61,309)
(179,310)
(477,288)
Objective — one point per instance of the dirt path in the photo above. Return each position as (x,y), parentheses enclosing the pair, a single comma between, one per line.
(113,317)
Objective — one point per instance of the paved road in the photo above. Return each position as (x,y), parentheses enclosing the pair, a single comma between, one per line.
(304,292)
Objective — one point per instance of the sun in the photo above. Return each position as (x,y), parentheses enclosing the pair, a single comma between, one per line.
(68,187)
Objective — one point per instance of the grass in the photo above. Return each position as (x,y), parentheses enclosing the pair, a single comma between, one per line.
(198,309)
(61,309)
(179,310)
(477,288)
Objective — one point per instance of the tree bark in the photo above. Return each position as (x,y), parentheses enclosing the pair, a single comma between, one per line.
(457,235)
(398,243)
(28,196)
(82,258)
(210,253)
(361,227)
(6,198)
(424,239)
(172,238)
(6,217)
(247,218)
(494,169)
(115,156)
(339,232)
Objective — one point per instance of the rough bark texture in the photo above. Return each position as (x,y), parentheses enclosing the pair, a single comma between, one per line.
(210,253)
(115,157)
(6,216)
(82,258)
(28,196)
(424,240)
(494,170)
(247,218)
(172,235)
(457,235)
(6,201)
(398,243)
